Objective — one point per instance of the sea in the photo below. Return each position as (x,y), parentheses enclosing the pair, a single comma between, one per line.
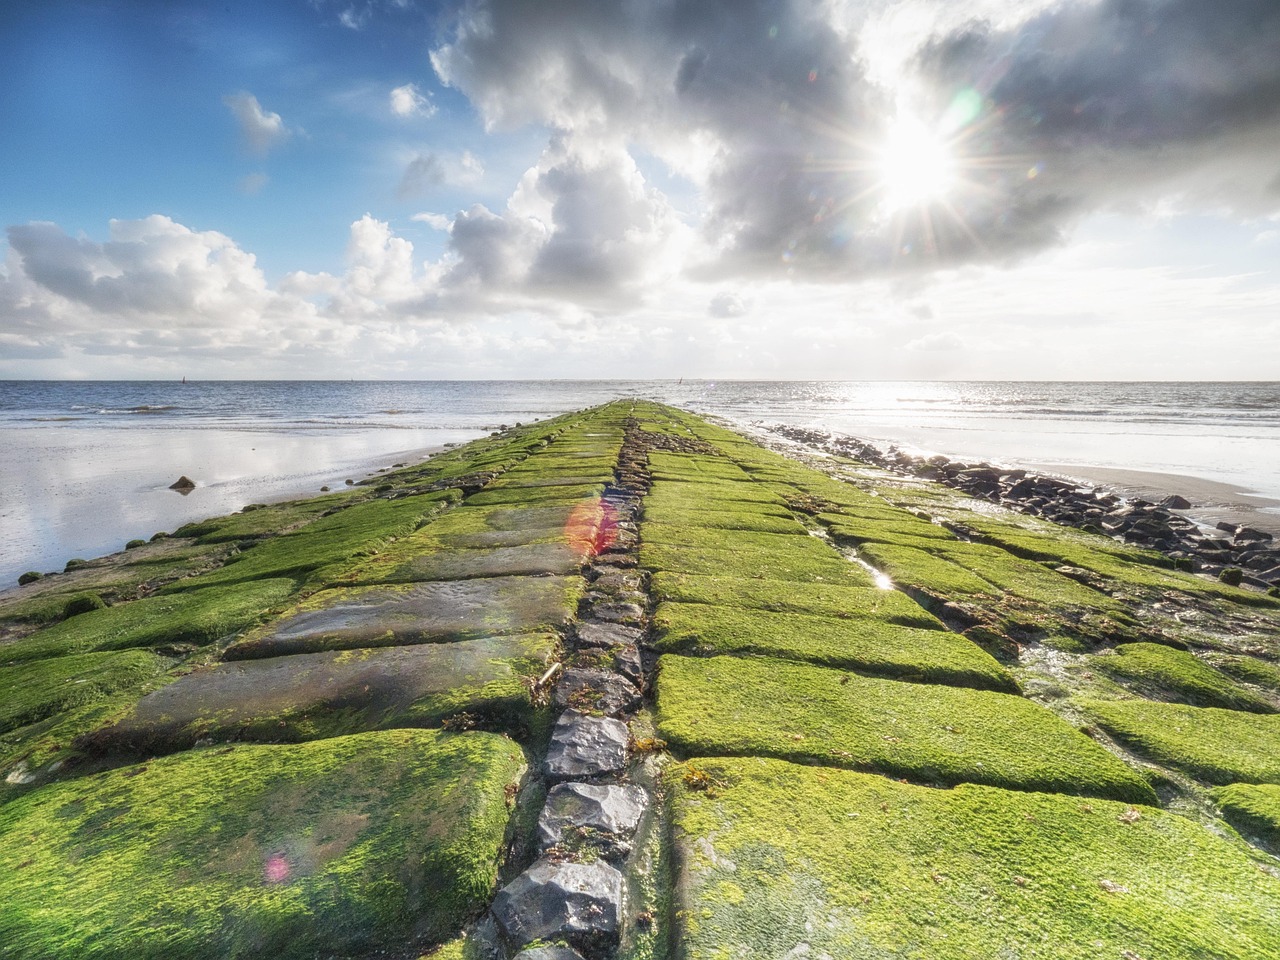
(86,465)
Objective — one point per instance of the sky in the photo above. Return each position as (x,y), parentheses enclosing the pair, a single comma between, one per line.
(725,189)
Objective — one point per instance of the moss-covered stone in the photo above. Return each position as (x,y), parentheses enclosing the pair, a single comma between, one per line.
(864,644)
(781,861)
(33,691)
(353,618)
(313,695)
(1254,810)
(932,734)
(1213,745)
(199,617)
(1168,674)
(343,848)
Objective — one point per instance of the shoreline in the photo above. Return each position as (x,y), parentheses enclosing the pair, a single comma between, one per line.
(1212,501)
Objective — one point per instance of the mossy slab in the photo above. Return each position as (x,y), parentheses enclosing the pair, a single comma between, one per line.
(491,496)
(860,529)
(1167,674)
(352,618)
(861,644)
(30,692)
(913,567)
(800,563)
(823,599)
(330,540)
(730,706)
(1254,810)
(533,559)
(784,861)
(266,521)
(199,617)
(715,495)
(1213,745)
(793,539)
(312,695)
(341,848)
(746,520)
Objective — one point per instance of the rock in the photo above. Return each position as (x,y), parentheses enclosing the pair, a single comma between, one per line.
(1175,502)
(1231,576)
(31,576)
(617,611)
(1249,534)
(583,746)
(1226,527)
(607,634)
(549,901)
(82,603)
(183,483)
(606,809)
(626,660)
(596,690)
(549,953)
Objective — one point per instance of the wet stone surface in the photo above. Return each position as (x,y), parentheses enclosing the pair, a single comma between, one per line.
(584,746)
(608,809)
(549,953)
(577,901)
(588,689)
(607,634)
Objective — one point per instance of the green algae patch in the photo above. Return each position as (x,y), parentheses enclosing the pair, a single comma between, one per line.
(308,696)
(694,535)
(1261,673)
(794,559)
(715,495)
(783,861)
(490,497)
(1212,745)
(729,706)
(198,617)
(861,600)
(265,521)
(898,530)
(745,520)
(338,848)
(1253,809)
(525,560)
(353,618)
(1167,674)
(30,692)
(861,644)
(330,540)
(914,567)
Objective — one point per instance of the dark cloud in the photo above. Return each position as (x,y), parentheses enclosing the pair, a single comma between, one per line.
(422,173)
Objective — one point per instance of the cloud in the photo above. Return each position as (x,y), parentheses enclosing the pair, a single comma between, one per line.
(408,101)
(437,221)
(776,115)
(261,129)
(945,342)
(726,304)
(421,174)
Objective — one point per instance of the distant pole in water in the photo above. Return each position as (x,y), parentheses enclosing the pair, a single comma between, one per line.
(184,379)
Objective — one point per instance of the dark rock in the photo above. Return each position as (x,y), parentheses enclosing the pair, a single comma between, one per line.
(607,634)
(183,483)
(1249,534)
(626,660)
(134,544)
(1226,527)
(584,746)
(83,603)
(550,901)
(596,690)
(31,576)
(611,810)
(1231,576)
(617,611)
(549,953)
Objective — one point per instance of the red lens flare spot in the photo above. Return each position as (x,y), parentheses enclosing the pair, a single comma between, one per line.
(592,527)
(276,869)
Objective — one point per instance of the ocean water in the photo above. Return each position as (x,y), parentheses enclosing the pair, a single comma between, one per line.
(85,466)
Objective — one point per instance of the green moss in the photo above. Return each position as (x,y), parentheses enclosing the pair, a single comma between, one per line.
(1253,809)
(32,691)
(343,847)
(1213,745)
(309,696)
(744,519)
(822,599)
(793,539)
(1155,669)
(199,617)
(932,734)
(83,603)
(267,521)
(330,540)
(801,563)
(862,644)
(1260,673)
(530,495)
(910,566)
(715,496)
(860,529)
(782,861)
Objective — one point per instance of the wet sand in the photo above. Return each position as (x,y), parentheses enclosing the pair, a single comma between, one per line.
(1211,500)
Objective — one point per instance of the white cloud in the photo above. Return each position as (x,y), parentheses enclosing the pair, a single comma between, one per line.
(252,184)
(437,221)
(408,101)
(943,341)
(261,129)
(727,304)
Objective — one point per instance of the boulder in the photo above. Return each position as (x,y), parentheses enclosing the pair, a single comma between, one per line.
(551,901)
(596,690)
(584,746)
(183,483)
(607,634)
(1175,502)
(549,953)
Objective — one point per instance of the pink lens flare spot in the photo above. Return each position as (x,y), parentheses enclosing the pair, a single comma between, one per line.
(276,869)
(592,527)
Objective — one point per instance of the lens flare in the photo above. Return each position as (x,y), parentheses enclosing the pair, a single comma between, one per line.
(915,165)
(592,527)
(276,869)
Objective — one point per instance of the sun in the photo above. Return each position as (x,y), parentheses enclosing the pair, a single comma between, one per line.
(915,165)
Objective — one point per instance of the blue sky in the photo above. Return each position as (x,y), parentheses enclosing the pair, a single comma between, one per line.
(486,188)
